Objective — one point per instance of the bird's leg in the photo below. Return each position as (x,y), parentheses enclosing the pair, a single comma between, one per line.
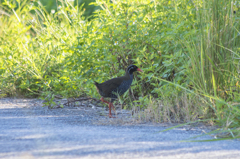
(102,99)
(113,107)
(109,106)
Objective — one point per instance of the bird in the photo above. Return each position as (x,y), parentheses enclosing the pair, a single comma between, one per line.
(116,86)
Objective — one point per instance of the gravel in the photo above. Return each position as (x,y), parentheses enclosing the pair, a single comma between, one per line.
(28,130)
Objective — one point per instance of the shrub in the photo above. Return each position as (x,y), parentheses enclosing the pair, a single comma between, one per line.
(188,51)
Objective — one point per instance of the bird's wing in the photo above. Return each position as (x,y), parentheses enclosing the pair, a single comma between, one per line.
(108,86)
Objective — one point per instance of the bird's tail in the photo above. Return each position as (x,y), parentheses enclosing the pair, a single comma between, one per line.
(96,83)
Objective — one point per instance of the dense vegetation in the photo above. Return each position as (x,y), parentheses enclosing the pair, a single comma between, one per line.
(189,52)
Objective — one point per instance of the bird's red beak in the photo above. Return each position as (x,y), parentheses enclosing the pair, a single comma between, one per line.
(138,69)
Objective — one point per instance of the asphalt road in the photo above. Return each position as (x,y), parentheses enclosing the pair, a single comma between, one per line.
(36,132)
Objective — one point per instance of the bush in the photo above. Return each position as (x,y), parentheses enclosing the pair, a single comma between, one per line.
(188,51)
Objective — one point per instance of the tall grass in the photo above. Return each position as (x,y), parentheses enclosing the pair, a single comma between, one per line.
(213,54)
(214,57)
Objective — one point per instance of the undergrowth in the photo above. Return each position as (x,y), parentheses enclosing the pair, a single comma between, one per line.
(188,50)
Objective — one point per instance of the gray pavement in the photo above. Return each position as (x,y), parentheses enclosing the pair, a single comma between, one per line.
(36,132)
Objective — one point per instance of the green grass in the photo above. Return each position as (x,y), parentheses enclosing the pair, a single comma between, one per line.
(214,62)
(189,52)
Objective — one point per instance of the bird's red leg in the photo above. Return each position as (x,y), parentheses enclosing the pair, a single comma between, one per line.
(102,99)
(109,107)
(112,107)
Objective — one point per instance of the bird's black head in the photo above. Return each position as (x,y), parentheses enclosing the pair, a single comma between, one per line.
(133,68)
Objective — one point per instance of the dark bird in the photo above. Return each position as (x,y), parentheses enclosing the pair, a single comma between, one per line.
(116,87)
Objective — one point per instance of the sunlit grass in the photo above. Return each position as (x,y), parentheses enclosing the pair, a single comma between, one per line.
(189,53)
